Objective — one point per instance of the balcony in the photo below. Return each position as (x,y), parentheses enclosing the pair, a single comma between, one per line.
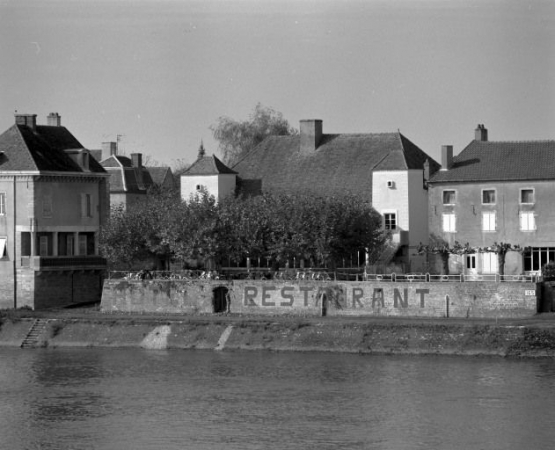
(64,262)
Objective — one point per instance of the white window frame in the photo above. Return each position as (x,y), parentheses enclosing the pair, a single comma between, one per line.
(489,221)
(533,196)
(494,194)
(2,203)
(528,224)
(449,219)
(454,196)
(490,262)
(395,220)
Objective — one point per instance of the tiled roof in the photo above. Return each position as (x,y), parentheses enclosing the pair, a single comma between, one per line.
(340,163)
(161,175)
(126,178)
(500,161)
(208,165)
(42,150)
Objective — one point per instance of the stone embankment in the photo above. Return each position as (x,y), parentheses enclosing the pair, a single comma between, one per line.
(524,338)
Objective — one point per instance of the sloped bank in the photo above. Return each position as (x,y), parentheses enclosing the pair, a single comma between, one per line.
(292,334)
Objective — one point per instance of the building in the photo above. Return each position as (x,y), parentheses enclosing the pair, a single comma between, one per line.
(53,201)
(208,174)
(496,192)
(130,180)
(385,169)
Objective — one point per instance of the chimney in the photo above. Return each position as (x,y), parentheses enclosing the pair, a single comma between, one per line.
(481,133)
(311,133)
(109,149)
(446,157)
(29,120)
(137,159)
(54,120)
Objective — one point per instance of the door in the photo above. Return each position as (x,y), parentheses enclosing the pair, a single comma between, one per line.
(470,265)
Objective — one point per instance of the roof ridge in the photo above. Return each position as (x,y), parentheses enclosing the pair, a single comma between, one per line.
(528,141)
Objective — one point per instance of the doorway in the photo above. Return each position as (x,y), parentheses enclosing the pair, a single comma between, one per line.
(220,303)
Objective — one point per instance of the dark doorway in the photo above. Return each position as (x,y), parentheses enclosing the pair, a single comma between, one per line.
(220,300)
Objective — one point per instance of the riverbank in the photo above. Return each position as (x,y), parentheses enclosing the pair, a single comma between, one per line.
(533,337)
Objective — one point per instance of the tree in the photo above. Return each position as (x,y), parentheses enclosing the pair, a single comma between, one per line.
(237,138)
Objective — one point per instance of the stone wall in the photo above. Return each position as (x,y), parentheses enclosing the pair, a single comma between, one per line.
(465,300)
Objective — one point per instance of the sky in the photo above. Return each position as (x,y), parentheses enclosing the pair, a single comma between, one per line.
(160,73)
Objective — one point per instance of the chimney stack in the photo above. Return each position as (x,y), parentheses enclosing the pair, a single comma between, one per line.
(481,133)
(29,120)
(109,149)
(446,157)
(54,120)
(311,133)
(137,159)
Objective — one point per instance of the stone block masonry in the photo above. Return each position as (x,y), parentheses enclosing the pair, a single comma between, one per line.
(441,299)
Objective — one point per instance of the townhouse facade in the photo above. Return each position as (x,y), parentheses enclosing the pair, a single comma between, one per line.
(495,192)
(53,200)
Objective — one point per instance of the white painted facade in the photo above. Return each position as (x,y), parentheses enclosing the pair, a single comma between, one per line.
(402,192)
(218,185)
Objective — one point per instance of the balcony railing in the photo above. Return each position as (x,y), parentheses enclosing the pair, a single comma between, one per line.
(63,262)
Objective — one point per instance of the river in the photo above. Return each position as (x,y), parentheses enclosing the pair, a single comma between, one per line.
(139,399)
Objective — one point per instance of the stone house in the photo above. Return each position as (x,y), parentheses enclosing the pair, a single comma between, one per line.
(53,200)
(384,169)
(496,192)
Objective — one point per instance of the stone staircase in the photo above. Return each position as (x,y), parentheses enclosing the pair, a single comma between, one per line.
(35,331)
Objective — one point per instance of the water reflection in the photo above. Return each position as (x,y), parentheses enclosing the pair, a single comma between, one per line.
(135,399)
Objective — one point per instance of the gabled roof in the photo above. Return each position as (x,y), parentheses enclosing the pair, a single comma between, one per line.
(501,161)
(161,175)
(340,163)
(208,165)
(124,177)
(41,150)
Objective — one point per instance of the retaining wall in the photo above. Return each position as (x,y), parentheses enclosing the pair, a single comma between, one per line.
(441,299)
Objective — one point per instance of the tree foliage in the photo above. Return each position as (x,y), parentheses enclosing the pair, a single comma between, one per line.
(277,227)
(237,138)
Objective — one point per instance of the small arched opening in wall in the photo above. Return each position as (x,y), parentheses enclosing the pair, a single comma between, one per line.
(220,299)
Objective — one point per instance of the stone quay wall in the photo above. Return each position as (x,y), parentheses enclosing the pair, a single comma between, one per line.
(329,298)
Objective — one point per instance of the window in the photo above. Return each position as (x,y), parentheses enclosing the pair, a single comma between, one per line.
(47,205)
(43,245)
(527,196)
(2,203)
(449,222)
(527,221)
(488,221)
(488,196)
(390,221)
(86,205)
(448,197)
(25,243)
(3,241)
(86,243)
(489,262)
(537,257)
(44,241)
(66,246)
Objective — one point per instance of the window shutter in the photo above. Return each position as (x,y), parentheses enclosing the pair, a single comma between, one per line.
(83,205)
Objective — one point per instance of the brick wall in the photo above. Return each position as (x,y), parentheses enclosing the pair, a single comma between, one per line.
(465,300)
